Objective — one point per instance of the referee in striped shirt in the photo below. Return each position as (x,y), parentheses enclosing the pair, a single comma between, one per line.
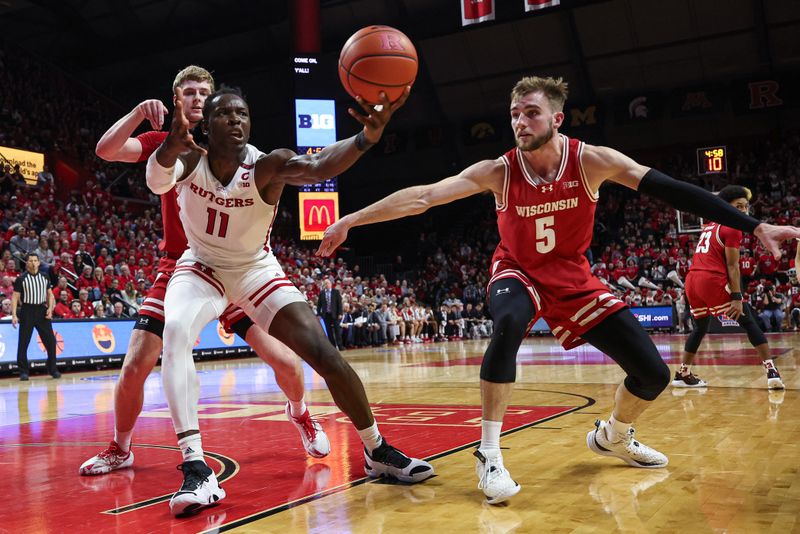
(35,292)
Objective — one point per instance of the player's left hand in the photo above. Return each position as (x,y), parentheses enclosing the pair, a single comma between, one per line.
(334,235)
(772,236)
(48,314)
(378,115)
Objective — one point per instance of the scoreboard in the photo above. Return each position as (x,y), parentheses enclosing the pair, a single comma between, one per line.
(712,160)
(315,128)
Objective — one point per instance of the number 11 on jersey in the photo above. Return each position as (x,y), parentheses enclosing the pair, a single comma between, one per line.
(212,221)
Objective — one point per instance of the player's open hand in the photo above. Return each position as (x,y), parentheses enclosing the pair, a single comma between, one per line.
(378,115)
(180,133)
(772,236)
(334,236)
(734,310)
(154,112)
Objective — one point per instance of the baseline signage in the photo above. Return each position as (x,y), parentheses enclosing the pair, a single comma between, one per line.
(648,316)
(90,342)
(30,163)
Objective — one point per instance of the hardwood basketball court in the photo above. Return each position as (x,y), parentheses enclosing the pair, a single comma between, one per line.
(733,447)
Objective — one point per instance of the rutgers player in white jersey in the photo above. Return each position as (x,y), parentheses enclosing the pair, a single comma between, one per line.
(196,83)
(228,199)
(545,191)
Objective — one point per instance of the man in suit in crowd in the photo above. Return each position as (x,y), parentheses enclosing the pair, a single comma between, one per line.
(329,307)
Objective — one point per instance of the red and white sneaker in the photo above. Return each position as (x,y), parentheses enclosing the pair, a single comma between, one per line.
(110,459)
(315,441)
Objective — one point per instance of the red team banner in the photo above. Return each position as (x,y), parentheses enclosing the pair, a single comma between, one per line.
(533,5)
(474,11)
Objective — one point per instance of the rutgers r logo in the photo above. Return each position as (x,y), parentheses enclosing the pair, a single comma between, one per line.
(547,188)
(390,41)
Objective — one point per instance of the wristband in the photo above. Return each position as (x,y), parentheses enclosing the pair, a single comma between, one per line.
(361,142)
(736,295)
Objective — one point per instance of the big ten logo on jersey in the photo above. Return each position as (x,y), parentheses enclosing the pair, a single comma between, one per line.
(316,121)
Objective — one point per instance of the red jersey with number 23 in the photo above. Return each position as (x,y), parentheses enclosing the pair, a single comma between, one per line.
(174,242)
(545,228)
(709,255)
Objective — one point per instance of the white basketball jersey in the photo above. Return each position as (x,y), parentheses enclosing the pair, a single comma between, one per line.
(226,226)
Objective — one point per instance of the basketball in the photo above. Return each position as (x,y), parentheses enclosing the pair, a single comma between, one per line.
(375,59)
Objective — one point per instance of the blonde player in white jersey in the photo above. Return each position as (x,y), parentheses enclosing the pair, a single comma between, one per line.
(228,198)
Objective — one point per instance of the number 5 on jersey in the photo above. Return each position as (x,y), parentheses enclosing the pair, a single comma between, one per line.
(545,235)
(212,222)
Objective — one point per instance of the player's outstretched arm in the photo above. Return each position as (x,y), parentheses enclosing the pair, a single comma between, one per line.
(603,163)
(166,166)
(483,176)
(117,143)
(336,158)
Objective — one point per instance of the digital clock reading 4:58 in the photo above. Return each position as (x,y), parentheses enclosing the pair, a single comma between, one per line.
(712,160)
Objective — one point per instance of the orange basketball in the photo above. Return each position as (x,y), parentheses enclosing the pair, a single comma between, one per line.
(375,59)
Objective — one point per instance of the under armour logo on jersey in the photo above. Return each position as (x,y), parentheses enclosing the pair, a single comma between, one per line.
(144,320)
(547,188)
(503,291)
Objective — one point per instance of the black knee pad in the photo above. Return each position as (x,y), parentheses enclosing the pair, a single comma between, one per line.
(241,327)
(512,310)
(623,339)
(754,333)
(697,335)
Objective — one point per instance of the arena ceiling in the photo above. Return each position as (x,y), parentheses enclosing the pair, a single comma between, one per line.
(130,49)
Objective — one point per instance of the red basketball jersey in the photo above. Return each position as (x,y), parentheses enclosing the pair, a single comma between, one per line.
(709,256)
(543,223)
(174,241)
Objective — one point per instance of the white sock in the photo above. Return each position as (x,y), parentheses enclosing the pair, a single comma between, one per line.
(614,428)
(191,448)
(371,437)
(123,439)
(490,436)
(684,370)
(297,408)
(768,364)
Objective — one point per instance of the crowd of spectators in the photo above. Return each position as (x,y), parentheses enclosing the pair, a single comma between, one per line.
(102,251)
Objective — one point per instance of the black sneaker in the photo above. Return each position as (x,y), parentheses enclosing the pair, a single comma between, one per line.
(687,381)
(199,489)
(23,377)
(55,374)
(390,462)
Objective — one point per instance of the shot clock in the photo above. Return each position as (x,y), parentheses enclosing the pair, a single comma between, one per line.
(712,160)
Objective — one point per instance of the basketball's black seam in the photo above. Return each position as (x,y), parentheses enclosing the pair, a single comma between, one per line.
(349,73)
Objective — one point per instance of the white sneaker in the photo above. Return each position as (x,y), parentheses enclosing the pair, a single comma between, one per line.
(199,490)
(109,459)
(315,440)
(774,379)
(493,478)
(624,447)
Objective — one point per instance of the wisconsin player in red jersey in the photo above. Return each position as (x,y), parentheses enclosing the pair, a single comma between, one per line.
(146,340)
(545,192)
(714,288)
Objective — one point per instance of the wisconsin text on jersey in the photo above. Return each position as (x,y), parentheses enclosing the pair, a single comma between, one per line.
(547,207)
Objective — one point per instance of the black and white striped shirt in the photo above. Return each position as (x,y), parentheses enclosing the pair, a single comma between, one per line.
(32,288)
